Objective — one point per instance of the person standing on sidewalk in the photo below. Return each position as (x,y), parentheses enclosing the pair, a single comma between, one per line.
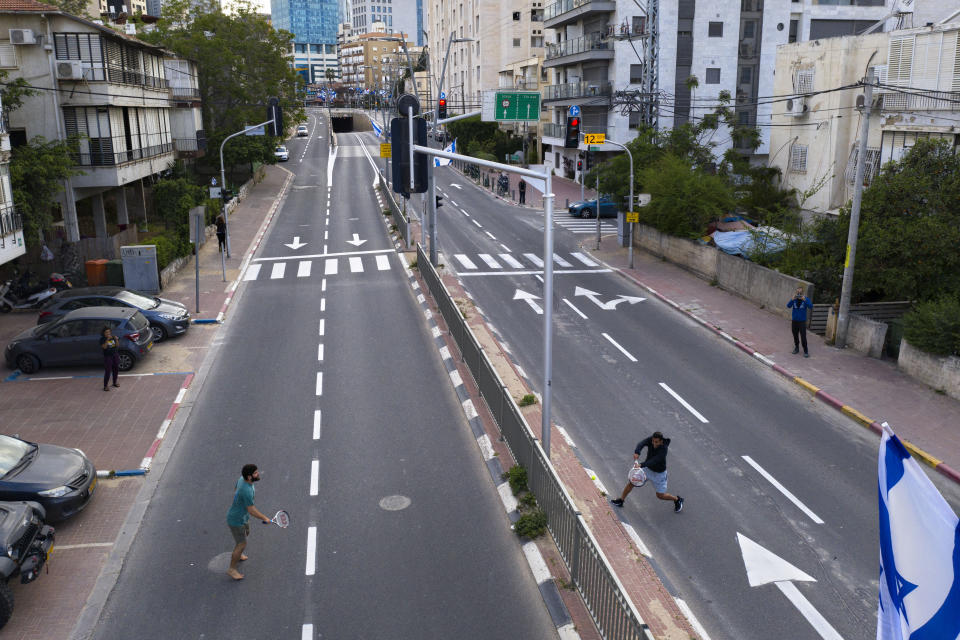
(238,516)
(111,359)
(656,469)
(522,187)
(799,303)
(222,233)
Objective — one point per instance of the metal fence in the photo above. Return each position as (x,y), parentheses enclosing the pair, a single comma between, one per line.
(604,595)
(403,224)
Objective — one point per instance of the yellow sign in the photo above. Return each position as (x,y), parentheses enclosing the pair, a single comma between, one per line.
(385,150)
(594,138)
(633,216)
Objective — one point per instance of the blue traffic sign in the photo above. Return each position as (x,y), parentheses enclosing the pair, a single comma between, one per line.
(443,95)
(574,110)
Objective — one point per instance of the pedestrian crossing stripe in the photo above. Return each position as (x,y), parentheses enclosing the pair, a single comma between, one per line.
(278,269)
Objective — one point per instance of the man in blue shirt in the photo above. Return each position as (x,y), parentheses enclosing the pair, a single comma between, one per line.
(238,517)
(799,303)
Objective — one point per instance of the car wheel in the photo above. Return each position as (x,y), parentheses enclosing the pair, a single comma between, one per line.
(159,333)
(27,363)
(6,603)
(586,213)
(126,360)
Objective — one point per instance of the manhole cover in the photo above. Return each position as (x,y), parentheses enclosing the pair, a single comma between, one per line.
(394,503)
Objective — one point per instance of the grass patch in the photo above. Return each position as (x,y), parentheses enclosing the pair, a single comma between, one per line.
(527,400)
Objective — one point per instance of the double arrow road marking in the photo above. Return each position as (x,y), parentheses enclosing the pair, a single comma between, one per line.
(594,297)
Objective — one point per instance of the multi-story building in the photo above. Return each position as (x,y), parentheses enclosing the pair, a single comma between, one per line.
(109,89)
(186,113)
(11,225)
(815,134)
(373,61)
(397,15)
(522,49)
(313,24)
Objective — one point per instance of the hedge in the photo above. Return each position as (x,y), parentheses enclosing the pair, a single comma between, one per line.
(934,326)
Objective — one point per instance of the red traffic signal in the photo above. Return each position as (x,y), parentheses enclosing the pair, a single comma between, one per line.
(579,165)
(574,122)
(572,137)
(442,108)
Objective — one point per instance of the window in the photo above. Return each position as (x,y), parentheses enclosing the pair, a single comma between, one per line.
(798,158)
(794,28)
(715,30)
(516,16)
(636,73)
(746,75)
(713,75)
(536,41)
(634,120)
(516,42)
(8,56)
(803,81)
(870,169)
(749,29)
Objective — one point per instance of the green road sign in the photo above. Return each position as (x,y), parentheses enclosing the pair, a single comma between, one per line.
(517,105)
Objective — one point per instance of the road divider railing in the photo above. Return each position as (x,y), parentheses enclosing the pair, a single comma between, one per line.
(402,222)
(604,595)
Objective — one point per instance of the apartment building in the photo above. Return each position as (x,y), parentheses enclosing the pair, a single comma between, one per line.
(11,225)
(373,60)
(474,63)
(521,67)
(109,88)
(313,24)
(186,112)
(397,15)
(814,140)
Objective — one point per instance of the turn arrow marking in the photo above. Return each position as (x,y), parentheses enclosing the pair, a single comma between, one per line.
(763,567)
(356,240)
(529,299)
(607,306)
(296,244)
(454,184)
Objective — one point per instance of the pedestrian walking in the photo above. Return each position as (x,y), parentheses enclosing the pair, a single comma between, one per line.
(522,187)
(222,233)
(111,360)
(238,516)
(656,469)
(799,303)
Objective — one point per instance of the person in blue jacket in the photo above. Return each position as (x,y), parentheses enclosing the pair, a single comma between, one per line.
(799,303)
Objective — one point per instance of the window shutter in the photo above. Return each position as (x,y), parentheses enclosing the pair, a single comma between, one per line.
(8,56)
(956,67)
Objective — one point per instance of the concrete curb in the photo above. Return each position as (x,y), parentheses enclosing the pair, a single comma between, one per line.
(857,416)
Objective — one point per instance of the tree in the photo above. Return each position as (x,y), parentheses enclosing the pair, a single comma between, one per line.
(73,7)
(13,92)
(685,199)
(37,172)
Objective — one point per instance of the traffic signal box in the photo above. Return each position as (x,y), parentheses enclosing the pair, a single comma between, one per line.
(400,141)
(442,109)
(572,139)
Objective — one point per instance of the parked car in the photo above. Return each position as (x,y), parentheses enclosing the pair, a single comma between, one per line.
(75,339)
(588,208)
(302,131)
(281,153)
(62,480)
(166,317)
(25,544)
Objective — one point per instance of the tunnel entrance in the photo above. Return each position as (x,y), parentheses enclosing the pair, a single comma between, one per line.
(342,124)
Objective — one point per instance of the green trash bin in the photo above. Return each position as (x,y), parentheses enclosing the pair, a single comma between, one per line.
(115,273)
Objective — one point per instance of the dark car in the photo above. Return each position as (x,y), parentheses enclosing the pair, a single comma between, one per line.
(60,479)
(588,208)
(25,545)
(166,317)
(74,339)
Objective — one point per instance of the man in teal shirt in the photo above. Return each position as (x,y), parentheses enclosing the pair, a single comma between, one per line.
(238,517)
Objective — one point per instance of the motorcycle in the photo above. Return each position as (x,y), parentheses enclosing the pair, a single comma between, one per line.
(10,301)
(27,284)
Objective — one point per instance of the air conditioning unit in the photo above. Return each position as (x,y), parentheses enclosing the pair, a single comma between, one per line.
(69,70)
(797,106)
(22,36)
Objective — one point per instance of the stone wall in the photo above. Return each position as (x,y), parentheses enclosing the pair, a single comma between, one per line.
(940,372)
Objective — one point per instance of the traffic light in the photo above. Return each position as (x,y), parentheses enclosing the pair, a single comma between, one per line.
(579,163)
(572,139)
(589,160)
(439,202)
(442,109)
(400,154)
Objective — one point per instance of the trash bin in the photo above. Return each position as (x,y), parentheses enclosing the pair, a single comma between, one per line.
(96,272)
(115,273)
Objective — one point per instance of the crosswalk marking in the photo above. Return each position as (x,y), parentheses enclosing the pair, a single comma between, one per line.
(278,269)
(493,264)
(510,260)
(356,265)
(303,269)
(560,261)
(252,272)
(583,227)
(584,259)
(465,261)
(534,258)
(383,263)
(330,269)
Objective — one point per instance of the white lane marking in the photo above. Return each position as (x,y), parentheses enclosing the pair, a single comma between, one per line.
(330,268)
(642,548)
(314,477)
(492,237)
(319,383)
(537,566)
(323,285)
(579,313)
(252,272)
(506,497)
(326,235)
(536,274)
(566,436)
(684,403)
(465,261)
(493,264)
(692,619)
(278,269)
(584,259)
(322,325)
(85,545)
(523,374)
(323,304)
(617,345)
(782,489)
(383,263)
(311,551)
(320,352)
(317,424)
(324,247)
(356,265)
(534,258)
(511,261)
(486,447)
(303,269)
(464,213)
(307,633)
(452,202)
(505,247)
(477,223)
(560,261)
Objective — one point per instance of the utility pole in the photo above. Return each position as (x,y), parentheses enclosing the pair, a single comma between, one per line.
(843,316)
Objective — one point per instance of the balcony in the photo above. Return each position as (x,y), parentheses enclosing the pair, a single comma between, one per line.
(564,11)
(551,130)
(194,147)
(10,220)
(593,47)
(575,90)
(185,93)
(101,152)
(925,101)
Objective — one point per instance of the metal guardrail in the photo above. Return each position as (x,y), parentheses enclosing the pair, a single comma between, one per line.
(582,44)
(403,224)
(601,590)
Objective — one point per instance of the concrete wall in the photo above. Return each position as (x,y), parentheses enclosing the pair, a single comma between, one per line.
(941,373)
(866,336)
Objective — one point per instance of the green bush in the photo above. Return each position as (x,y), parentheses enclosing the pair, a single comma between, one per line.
(517,476)
(934,327)
(531,525)
(169,248)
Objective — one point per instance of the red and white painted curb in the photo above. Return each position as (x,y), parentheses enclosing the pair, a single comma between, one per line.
(151,452)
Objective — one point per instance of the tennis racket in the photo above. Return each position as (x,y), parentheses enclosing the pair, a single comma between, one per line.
(281,519)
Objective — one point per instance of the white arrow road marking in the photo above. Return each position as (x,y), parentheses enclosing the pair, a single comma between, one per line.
(454,184)
(684,403)
(529,299)
(782,489)
(296,244)
(607,306)
(763,567)
(356,240)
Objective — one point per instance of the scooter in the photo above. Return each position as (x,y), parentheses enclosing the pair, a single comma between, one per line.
(9,301)
(27,284)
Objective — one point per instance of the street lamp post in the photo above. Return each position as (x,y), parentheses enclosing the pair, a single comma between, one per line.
(630,208)
(223,179)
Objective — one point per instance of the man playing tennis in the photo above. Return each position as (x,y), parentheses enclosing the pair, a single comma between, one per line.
(238,517)
(656,469)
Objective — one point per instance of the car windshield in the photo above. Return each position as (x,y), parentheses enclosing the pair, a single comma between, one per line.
(137,300)
(12,451)
(281,149)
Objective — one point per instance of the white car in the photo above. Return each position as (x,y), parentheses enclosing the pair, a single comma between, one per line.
(281,153)
(302,131)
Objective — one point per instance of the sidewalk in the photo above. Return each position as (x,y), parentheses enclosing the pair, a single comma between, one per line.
(846,380)
(564,190)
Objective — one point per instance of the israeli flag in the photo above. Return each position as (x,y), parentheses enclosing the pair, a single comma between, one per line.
(919,552)
(450,148)
(377,130)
